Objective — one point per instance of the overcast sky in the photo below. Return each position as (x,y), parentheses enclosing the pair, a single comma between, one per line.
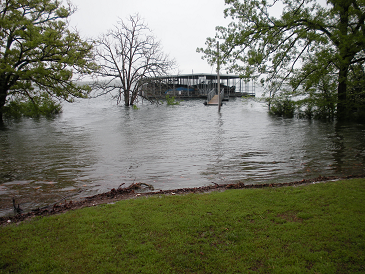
(180,25)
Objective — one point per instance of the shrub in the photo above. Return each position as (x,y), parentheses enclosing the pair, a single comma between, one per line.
(171,100)
(283,107)
(35,107)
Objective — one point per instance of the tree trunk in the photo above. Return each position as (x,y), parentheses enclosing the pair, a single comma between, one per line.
(346,55)
(126,98)
(134,96)
(3,94)
(342,105)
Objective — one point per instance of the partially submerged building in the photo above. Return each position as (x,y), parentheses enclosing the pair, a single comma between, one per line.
(185,86)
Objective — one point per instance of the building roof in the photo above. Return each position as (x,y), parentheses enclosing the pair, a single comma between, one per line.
(197,76)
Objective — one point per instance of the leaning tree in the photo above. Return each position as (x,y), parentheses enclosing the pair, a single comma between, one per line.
(316,49)
(39,55)
(128,55)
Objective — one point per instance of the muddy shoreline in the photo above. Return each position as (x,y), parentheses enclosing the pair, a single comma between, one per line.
(134,191)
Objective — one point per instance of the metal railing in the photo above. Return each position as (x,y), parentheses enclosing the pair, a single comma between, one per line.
(210,95)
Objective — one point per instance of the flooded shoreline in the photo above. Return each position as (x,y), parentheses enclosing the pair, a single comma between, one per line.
(94,146)
(136,191)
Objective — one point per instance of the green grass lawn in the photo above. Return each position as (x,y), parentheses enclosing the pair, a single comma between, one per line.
(306,229)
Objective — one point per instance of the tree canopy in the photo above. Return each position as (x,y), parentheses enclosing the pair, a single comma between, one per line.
(312,50)
(39,55)
(129,54)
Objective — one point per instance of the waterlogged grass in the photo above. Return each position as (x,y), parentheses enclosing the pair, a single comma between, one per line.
(307,229)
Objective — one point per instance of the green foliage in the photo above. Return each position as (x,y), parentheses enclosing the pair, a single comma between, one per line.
(318,93)
(306,229)
(356,92)
(171,101)
(38,106)
(284,108)
(307,45)
(38,53)
(319,106)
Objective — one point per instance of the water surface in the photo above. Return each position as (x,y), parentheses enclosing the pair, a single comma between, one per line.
(94,146)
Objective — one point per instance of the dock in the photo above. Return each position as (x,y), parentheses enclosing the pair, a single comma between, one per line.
(213,101)
(199,86)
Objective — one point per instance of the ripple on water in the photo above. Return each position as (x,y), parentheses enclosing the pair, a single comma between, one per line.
(95,145)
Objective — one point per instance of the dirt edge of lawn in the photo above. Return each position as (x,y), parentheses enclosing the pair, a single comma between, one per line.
(134,190)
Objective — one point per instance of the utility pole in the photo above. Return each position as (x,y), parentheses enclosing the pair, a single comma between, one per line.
(218,79)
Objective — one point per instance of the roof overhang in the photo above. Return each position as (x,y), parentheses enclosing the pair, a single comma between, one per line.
(197,76)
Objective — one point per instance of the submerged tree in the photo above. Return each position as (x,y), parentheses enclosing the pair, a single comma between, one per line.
(128,55)
(301,49)
(39,56)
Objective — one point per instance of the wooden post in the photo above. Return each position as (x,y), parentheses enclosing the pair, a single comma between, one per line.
(218,79)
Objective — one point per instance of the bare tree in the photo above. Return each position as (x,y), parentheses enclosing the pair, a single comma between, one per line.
(127,55)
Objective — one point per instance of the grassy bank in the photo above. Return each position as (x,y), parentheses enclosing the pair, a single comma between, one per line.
(307,229)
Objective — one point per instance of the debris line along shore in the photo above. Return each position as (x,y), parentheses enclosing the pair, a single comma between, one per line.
(134,190)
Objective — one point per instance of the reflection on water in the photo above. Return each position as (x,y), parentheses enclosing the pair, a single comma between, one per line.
(95,146)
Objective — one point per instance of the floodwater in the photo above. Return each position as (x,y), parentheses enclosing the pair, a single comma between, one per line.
(95,145)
